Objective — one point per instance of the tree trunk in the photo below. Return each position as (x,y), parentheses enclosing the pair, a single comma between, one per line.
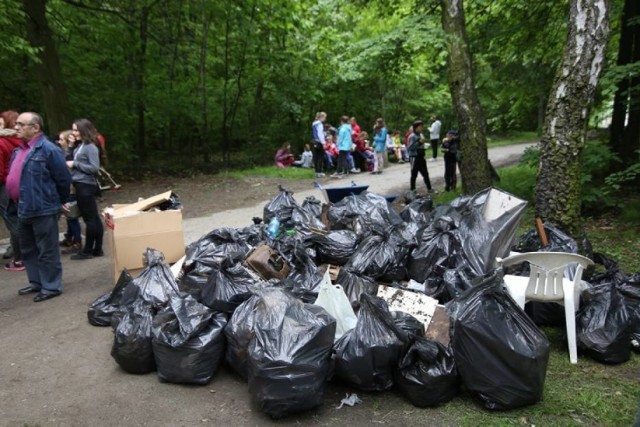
(629,40)
(474,166)
(54,92)
(558,185)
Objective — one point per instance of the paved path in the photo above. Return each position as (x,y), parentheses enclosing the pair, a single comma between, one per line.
(394,180)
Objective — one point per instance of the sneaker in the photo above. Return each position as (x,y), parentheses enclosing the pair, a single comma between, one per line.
(354,170)
(66,243)
(80,256)
(97,253)
(74,248)
(14,266)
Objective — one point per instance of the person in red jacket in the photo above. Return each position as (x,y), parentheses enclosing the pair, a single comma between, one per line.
(8,143)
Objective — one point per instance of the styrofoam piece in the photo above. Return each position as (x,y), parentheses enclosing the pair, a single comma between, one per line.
(416,304)
(498,202)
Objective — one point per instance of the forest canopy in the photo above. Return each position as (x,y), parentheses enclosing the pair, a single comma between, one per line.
(205,84)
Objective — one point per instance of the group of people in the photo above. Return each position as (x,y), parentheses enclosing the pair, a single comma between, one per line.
(39,180)
(350,150)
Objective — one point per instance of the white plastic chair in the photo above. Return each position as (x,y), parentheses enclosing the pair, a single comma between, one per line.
(547,283)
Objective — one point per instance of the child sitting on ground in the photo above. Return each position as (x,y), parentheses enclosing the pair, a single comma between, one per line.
(306,158)
(283,156)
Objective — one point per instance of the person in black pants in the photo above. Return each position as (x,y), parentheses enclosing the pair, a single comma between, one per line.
(416,153)
(317,132)
(450,150)
(85,167)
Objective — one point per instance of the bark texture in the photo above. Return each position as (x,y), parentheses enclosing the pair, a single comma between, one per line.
(474,165)
(558,184)
(54,92)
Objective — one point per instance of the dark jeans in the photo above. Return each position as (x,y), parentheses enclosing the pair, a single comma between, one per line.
(419,164)
(318,156)
(86,196)
(39,240)
(343,164)
(9,213)
(450,163)
(434,147)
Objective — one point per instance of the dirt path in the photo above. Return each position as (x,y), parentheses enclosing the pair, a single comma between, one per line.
(56,369)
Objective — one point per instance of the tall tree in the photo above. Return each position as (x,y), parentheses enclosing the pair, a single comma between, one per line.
(54,92)
(625,123)
(474,166)
(558,184)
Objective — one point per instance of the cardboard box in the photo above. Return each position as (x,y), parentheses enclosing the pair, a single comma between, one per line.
(134,227)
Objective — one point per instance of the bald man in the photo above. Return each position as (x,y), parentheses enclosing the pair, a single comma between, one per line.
(38,185)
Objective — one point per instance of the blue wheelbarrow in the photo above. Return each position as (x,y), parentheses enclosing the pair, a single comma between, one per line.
(335,194)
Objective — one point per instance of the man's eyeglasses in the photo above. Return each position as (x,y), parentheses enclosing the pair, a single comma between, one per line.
(21,125)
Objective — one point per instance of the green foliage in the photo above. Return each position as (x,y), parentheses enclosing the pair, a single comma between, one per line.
(519,181)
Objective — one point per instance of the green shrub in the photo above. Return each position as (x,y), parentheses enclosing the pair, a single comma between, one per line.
(518,180)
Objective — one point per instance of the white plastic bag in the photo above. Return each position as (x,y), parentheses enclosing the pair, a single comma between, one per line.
(333,299)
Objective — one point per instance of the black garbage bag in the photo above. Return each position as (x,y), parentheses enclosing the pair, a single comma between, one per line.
(354,285)
(559,241)
(229,285)
(500,354)
(367,355)
(305,279)
(381,255)
(280,206)
(173,204)
(239,333)
(630,291)
(188,341)
(155,284)
(132,348)
(102,309)
(602,325)
(313,206)
(290,354)
(629,288)
(207,254)
(408,324)
(300,216)
(426,374)
(362,213)
(438,250)
(487,229)
(457,281)
(336,247)
(419,211)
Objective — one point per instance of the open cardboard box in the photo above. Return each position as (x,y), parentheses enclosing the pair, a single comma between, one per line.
(133,228)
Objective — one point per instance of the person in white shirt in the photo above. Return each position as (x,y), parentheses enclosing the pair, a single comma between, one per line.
(434,136)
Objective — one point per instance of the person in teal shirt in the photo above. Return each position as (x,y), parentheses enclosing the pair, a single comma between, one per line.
(379,145)
(344,147)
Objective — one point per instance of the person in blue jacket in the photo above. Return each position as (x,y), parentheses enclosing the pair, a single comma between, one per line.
(379,145)
(38,185)
(344,147)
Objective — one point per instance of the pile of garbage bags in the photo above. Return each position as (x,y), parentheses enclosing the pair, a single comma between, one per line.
(261,300)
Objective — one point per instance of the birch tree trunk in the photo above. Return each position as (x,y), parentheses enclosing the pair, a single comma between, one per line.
(474,165)
(558,185)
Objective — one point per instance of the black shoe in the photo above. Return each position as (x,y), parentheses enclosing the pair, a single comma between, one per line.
(28,290)
(81,256)
(43,297)
(97,253)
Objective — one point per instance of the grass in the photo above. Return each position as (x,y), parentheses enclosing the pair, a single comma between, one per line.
(300,173)
(511,138)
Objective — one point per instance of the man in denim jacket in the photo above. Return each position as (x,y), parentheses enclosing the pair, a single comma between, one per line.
(38,185)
